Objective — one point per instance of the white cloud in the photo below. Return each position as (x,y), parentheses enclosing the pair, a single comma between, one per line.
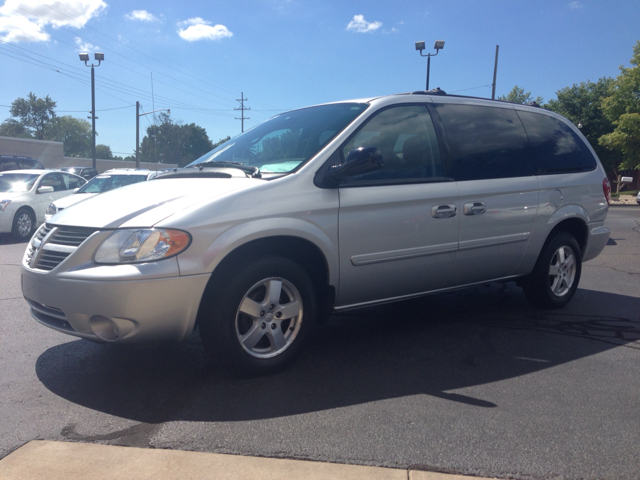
(575,5)
(142,16)
(25,20)
(85,46)
(199,29)
(360,25)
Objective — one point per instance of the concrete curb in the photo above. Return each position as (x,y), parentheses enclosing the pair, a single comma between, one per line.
(47,460)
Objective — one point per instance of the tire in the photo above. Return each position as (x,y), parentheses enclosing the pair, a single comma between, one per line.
(556,275)
(258,316)
(23,225)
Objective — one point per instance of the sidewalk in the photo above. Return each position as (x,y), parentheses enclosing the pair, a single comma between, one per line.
(46,460)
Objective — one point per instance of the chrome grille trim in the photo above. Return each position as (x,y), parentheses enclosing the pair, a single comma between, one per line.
(51,245)
(72,236)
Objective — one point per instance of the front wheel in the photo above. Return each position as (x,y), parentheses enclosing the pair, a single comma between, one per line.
(555,277)
(23,224)
(258,319)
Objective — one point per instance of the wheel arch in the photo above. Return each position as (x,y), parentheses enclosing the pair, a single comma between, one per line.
(301,250)
(29,209)
(571,220)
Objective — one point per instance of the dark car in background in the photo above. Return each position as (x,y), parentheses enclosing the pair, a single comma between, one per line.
(14,162)
(85,172)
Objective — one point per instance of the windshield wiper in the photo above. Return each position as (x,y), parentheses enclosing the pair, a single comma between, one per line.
(252,171)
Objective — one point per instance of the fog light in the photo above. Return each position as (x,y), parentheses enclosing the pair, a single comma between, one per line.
(111,329)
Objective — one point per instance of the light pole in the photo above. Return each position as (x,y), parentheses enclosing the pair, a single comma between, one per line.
(438,46)
(138,115)
(99,57)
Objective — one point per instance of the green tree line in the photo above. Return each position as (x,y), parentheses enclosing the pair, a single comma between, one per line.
(168,142)
(607,112)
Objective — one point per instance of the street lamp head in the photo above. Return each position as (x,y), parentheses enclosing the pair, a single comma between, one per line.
(84,57)
(420,46)
(99,56)
(439,45)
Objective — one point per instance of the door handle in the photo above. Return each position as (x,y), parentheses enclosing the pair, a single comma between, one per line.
(443,211)
(474,208)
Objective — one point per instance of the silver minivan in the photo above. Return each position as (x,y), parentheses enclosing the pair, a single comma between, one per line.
(323,209)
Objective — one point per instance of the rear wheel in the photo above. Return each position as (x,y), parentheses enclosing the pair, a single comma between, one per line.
(555,277)
(23,224)
(258,319)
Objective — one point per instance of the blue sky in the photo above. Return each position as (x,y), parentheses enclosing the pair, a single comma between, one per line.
(285,54)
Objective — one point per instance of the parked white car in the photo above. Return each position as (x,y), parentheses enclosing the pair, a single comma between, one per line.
(324,209)
(109,180)
(25,195)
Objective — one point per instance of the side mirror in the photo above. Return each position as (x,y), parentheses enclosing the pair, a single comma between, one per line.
(359,161)
(45,190)
(75,190)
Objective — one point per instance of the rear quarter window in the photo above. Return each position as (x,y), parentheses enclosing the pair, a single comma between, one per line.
(555,146)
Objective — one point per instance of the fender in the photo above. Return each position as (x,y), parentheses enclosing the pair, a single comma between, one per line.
(262,228)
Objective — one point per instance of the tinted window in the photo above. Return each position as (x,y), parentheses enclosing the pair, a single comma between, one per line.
(29,163)
(556,147)
(485,142)
(8,165)
(407,141)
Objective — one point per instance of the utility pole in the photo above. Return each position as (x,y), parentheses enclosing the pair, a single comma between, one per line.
(242,109)
(138,115)
(495,73)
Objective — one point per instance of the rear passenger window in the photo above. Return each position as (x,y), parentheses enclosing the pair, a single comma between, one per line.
(485,142)
(556,147)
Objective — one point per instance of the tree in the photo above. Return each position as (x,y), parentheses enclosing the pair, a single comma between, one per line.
(13,128)
(35,117)
(35,114)
(74,133)
(518,95)
(582,105)
(173,142)
(104,152)
(622,108)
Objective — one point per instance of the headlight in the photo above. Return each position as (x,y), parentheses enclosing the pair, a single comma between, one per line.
(3,204)
(142,245)
(52,209)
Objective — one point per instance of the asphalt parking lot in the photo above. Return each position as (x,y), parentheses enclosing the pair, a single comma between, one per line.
(472,382)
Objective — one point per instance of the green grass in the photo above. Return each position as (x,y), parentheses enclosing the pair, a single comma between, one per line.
(629,192)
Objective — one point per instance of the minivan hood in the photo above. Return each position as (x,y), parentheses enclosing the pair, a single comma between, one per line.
(146,203)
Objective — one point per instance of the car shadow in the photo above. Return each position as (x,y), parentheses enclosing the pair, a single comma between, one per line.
(429,346)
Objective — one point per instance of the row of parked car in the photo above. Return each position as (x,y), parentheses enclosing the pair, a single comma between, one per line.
(29,196)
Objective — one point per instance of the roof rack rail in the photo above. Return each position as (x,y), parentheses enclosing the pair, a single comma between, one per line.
(433,91)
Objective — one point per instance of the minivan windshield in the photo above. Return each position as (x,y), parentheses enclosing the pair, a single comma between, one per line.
(17,182)
(283,143)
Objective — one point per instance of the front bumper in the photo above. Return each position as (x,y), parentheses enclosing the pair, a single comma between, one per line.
(119,303)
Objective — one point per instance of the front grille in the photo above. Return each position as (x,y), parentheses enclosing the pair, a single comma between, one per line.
(72,236)
(48,260)
(51,245)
